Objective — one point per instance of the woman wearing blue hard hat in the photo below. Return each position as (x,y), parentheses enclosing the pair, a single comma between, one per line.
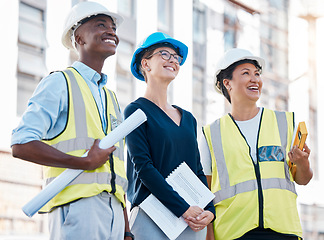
(161,144)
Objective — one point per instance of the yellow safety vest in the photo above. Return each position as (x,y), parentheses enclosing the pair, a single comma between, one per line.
(82,128)
(249,195)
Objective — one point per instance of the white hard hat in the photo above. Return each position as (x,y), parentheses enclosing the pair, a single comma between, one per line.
(234,55)
(81,11)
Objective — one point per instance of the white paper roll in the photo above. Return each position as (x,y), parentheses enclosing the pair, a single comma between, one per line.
(66,177)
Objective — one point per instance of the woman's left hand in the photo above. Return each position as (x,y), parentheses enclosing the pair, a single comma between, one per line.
(201,221)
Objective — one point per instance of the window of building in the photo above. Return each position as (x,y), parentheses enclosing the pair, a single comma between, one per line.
(126,7)
(199,25)
(199,63)
(165,16)
(31,52)
(199,96)
(125,80)
(231,27)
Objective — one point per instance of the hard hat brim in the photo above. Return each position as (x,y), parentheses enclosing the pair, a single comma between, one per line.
(259,60)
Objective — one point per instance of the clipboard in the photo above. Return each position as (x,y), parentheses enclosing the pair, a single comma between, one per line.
(300,135)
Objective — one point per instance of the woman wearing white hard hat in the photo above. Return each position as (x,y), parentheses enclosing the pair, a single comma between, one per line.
(67,115)
(245,155)
(163,142)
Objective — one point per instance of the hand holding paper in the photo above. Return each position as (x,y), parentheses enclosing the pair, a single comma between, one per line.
(190,188)
(65,178)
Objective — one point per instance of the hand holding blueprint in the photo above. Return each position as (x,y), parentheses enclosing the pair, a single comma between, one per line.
(65,178)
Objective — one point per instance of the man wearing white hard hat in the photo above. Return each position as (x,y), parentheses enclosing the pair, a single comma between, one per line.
(68,113)
(245,156)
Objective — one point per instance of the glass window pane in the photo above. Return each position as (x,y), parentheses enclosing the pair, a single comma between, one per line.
(31,64)
(164,15)
(199,26)
(198,76)
(124,56)
(198,111)
(125,7)
(229,39)
(25,89)
(125,90)
(32,34)
(125,47)
(31,26)
(30,13)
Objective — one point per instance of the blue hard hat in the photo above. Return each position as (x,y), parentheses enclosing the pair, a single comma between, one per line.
(155,38)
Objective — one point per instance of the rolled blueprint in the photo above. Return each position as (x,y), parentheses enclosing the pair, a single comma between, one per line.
(66,177)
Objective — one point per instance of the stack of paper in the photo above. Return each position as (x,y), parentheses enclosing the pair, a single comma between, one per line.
(190,188)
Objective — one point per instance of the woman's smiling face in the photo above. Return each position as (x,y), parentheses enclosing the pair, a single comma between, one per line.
(246,83)
(162,68)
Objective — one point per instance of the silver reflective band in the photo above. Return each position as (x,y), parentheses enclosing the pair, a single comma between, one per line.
(282,125)
(231,191)
(74,144)
(95,177)
(84,143)
(79,109)
(216,140)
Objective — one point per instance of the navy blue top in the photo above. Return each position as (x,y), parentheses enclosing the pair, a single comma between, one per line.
(155,149)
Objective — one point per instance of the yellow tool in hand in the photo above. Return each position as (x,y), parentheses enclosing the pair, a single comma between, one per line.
(299,140)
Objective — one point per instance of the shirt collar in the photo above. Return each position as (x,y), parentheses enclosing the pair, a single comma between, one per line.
(89,74)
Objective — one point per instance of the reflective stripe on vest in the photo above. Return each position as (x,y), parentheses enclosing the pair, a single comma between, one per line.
(228,191)
(94,177)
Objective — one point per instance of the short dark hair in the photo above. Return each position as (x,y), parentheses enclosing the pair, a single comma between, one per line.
(228,74)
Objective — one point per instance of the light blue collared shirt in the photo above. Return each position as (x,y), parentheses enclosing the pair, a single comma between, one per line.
(47,110)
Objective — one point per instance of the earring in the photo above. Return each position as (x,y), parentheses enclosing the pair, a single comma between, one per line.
(148,69)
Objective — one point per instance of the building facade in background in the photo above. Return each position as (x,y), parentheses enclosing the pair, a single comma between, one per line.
(277,30)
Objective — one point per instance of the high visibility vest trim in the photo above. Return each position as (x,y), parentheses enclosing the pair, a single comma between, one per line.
(228,191)
(79,144)
(95,177)
(104,176)
(252,185)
